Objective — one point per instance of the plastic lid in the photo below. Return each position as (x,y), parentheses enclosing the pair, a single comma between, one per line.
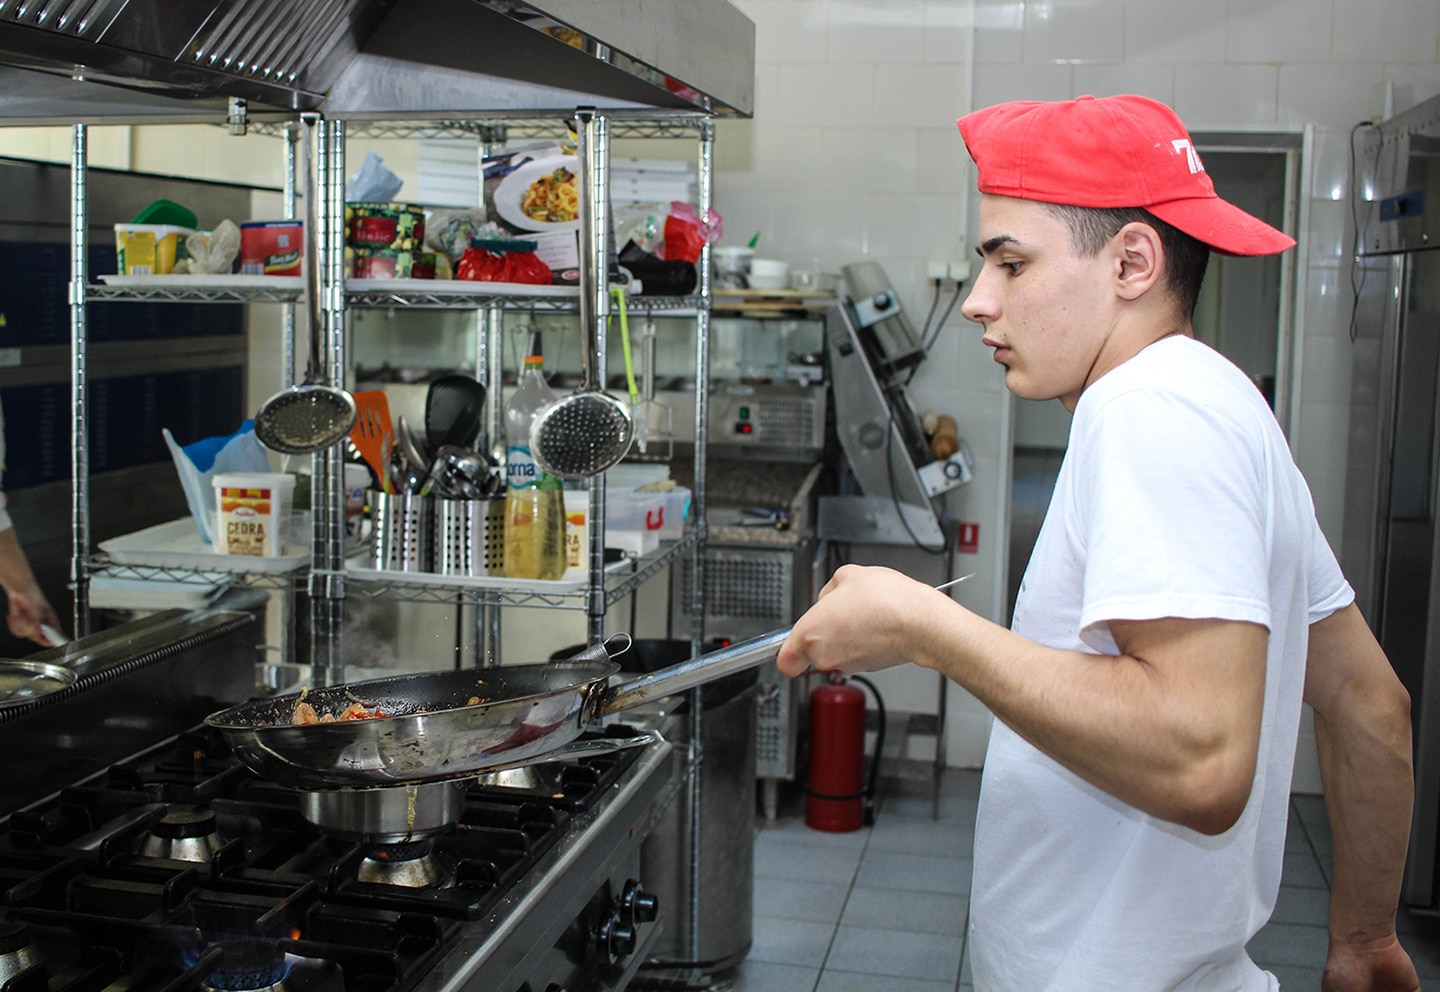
(253,480)
(167,212)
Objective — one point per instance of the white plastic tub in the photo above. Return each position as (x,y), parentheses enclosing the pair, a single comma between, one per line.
(252,513)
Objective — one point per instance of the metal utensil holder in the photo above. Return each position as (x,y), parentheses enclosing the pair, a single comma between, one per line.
(402,531)
(470,536)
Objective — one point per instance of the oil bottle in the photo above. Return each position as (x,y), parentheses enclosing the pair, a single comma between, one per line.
(534,499)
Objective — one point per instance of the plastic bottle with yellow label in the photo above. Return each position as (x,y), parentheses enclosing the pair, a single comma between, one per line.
(534,499)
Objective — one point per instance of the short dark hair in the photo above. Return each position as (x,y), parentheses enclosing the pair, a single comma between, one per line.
(1186,258)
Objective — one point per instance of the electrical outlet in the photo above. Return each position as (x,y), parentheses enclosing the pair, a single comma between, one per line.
(959,270)
(936,270)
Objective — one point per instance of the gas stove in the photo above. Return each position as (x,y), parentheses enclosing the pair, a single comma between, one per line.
(178,869)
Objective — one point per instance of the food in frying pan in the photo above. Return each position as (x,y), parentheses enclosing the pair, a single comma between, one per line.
(552,198)
(306,715)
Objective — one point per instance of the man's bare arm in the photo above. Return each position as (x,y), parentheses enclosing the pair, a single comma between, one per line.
(1171,726)
(1362,734)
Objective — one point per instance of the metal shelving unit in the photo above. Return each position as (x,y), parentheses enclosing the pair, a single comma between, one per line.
(326,576)
(595,130)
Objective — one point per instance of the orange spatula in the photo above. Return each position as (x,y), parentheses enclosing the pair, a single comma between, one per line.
(372,433)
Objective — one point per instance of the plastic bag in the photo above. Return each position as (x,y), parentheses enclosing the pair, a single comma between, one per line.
(686,232)
(670,231)
(374,183)
(199,462)
(451,230)
(211,252)
(481,265)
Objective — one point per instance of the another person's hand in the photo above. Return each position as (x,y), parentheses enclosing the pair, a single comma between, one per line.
(862,622)
(28,610)
(1376,966)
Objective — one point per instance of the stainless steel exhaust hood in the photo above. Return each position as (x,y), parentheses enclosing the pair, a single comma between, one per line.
(179,60)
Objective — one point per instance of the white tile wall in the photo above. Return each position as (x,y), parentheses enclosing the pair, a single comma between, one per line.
(1224,64)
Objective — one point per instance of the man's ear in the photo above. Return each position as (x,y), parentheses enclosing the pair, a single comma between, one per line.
(1141,260)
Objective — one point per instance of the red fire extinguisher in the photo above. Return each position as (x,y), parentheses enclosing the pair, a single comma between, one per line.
(836,797)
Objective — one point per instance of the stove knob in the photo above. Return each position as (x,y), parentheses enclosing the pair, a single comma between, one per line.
(639,905)
(615,939)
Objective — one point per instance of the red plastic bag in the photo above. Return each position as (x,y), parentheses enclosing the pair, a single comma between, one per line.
(488,266)
(686,233)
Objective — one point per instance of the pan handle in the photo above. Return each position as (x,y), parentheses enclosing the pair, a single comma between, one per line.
(697,671)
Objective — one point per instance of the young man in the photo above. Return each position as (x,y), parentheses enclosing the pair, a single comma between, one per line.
(1179,604)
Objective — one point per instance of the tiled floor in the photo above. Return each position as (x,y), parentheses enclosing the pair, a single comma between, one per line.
(884,909)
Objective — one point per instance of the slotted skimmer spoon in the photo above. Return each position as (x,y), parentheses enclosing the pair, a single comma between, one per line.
(587,432)
(313,415)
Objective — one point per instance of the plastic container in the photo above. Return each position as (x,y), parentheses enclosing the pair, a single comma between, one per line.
(534,499)
(732,265)
(769,273)
(633,520)
(577,534)
(633,475)
(148,249)
(271,247)
(677,511)
(357,481)
(252,513)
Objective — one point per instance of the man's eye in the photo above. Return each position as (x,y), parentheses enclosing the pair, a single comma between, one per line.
(1014,267)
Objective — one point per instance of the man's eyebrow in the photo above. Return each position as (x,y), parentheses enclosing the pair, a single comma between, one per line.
(994,244)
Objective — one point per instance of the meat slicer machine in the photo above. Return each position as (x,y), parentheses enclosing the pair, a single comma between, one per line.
(873,353)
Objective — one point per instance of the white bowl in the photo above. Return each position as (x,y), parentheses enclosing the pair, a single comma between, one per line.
(769,273)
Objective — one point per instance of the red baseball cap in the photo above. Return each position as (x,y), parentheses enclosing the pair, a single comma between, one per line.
(1114,151)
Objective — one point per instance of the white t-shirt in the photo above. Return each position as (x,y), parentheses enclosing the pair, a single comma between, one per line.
(1177,497)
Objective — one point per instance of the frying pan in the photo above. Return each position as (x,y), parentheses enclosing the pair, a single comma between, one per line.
(22,681)
(433,732)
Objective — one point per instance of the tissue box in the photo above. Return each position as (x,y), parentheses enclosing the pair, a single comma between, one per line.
(271,247)
(148,249)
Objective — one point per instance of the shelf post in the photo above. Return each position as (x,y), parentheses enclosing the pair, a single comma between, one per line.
(592,150)
(79,382)
(324,215)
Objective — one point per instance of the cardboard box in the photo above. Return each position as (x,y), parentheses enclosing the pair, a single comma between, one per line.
(272,247)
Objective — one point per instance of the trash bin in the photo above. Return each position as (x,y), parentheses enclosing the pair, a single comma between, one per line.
(727,828)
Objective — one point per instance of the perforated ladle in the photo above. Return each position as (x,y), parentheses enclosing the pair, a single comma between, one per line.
(587,432)
(313,415)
